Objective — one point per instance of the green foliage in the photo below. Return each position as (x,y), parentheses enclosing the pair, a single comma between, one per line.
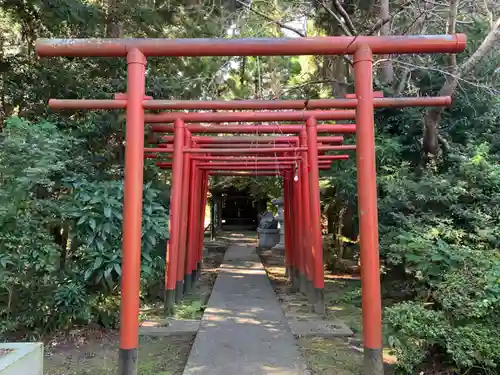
(60,243)
(61,172)
(96,208)
(70,304)
(439,231)
(463,345)
(439,227)
(106,310)
(190,309)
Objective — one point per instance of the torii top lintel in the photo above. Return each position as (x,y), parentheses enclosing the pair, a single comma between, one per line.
(332,45)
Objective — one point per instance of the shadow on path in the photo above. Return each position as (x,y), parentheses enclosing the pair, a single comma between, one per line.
(244,330)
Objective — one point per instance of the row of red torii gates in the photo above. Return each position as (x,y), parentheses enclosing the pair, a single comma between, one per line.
(296,153)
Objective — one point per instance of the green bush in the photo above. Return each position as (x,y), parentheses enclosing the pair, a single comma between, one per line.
(457,325)
(444,237)
(96,208)
(60,237)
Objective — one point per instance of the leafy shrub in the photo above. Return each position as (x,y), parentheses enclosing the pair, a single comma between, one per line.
(70,304)
(97,208)
(106,310)
(444,236)
(60,236)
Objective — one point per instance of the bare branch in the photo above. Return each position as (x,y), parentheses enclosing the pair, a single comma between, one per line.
(444,143)
(279,23)
(402,82)
(417,21)
(341,23)
(384,20)
(490,90)
(346,17)
(483,49)
(317,82)
(379,25)
(452,17)
(488,12)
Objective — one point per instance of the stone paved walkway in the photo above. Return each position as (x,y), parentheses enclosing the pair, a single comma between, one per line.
(244,330)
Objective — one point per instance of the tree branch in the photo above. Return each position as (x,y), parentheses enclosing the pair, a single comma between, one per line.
(432,117)
(430,142)
(346,17)
(488,12)
(317,82)
(402,82)
(341,23)
(380,23)
(279,23)
(483,49)
(490,90)
(384,20)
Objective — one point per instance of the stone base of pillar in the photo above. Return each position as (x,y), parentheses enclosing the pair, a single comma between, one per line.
(280,218)
(279,246)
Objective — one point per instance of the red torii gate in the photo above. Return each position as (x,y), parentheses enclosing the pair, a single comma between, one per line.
(135,102)
(177,250)
(307,141)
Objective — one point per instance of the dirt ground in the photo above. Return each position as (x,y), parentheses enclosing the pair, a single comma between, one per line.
(98,355)
(326,356)
(95,351)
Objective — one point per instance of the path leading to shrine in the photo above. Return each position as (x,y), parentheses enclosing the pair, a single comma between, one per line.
(244,330)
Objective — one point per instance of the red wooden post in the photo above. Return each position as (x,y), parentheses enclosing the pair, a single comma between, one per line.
(132,214)
(134,102)
(350,101)
(341,114)
(198,225)
(202,222)
(286,197)
(191,244)
(186,166)
(294,235)
(303,231)
(175,218)
(225,151)
(244,173)
(287,176)
(367,208)
(248,159)
(316,237)
(306,217)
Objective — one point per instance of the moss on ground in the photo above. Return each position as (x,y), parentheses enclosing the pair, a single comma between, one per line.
(330,356)
(326,356)
(157,356)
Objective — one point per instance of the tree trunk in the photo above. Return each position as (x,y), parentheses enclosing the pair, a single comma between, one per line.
(330,214)
(339,225)
(113,24)
(386,69)
(432,139)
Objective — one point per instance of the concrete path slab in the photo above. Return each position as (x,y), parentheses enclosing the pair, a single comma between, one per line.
(244,330)
(169,327)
